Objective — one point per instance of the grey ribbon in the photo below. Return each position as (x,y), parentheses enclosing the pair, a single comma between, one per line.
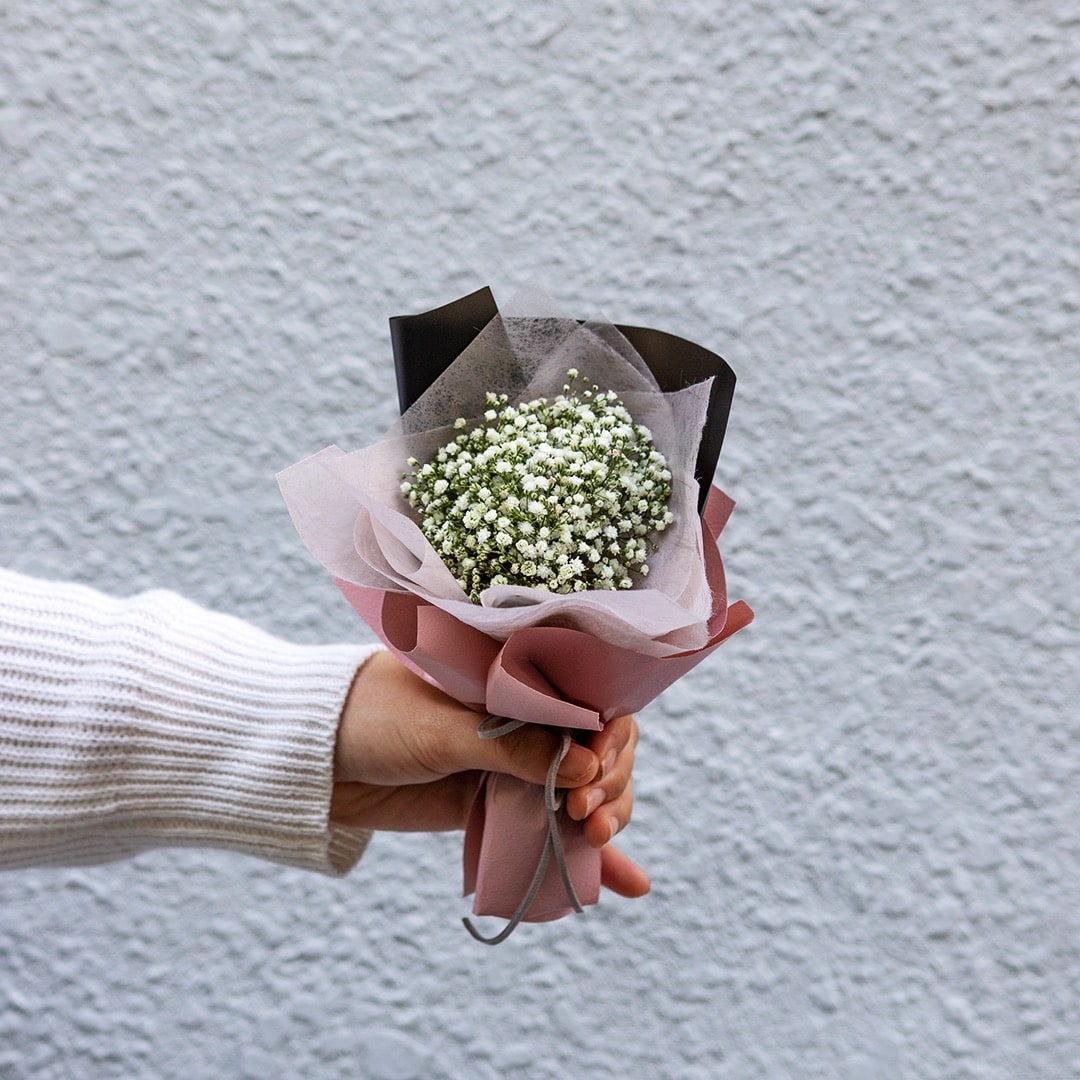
(494,727)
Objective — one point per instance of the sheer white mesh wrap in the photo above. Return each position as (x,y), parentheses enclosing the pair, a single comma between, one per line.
(349,510)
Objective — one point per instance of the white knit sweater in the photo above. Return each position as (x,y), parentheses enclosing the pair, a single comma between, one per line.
(131,724)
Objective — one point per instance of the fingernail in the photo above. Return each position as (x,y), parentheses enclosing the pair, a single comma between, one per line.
(594,801)
(614,828)
(579,764)
(609,762)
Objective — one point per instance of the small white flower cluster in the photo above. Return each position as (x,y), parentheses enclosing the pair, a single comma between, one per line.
(563,495)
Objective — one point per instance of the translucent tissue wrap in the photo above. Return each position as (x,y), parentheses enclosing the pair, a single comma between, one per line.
(571,661)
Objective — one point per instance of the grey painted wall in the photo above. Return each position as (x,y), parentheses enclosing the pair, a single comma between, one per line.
(862,816)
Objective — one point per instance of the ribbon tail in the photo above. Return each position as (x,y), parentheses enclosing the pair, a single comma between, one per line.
(525,858)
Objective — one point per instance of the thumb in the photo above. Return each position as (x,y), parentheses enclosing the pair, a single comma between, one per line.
(528,752)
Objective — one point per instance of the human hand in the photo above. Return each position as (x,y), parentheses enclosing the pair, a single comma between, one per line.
(408,759)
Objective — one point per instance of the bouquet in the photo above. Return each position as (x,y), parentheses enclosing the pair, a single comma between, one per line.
(536,536)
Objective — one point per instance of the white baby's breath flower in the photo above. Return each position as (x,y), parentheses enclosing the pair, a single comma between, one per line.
(558,495)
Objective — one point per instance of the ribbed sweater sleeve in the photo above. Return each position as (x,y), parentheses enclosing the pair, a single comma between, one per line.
(149,722)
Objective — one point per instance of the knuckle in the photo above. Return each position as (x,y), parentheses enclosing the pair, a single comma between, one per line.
(527,750)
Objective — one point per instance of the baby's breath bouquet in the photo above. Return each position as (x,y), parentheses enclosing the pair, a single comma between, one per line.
(565,495)
(536,536)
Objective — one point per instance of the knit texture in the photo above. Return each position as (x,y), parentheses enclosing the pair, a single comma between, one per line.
(140,723)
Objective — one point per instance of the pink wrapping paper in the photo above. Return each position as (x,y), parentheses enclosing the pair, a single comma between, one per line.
(546,675)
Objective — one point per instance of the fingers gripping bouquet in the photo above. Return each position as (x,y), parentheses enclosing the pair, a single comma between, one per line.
(537,537)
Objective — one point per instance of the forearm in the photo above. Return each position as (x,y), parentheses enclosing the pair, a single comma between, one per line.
(130,724)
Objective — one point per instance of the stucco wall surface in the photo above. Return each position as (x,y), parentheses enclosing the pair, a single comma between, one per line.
(862,815)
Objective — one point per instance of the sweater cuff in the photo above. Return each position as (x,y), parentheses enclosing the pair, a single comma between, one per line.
(151,722)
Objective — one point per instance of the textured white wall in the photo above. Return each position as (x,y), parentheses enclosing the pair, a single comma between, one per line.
(862,815)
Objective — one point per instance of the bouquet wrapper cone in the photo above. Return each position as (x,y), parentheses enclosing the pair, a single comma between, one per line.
(554,676)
